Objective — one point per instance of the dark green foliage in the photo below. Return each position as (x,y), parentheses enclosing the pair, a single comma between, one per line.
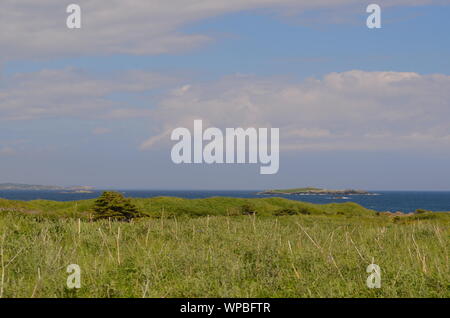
(248,209)
(304,210)
(293,211)
(286,211)
(115,206)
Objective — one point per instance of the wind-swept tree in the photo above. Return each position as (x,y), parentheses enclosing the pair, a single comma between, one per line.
(114,205)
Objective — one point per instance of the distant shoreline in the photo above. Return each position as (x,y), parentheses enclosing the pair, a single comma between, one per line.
(34,187)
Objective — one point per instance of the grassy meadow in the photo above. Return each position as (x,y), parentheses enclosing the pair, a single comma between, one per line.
(209,248)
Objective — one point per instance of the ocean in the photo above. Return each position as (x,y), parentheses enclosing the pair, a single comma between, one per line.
(405,201)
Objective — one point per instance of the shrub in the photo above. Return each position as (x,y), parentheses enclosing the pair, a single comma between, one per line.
(115,206)
(304,210)
(286,211)
(248,209)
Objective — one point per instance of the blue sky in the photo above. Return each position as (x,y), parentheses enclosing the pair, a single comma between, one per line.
(79,115)
(412,39)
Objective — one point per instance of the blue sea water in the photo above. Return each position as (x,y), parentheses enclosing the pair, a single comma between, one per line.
(405,201)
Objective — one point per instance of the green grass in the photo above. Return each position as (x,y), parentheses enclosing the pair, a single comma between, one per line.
(174,254)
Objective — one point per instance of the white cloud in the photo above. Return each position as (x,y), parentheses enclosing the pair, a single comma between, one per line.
(37,29)
(349,110)
(73,93)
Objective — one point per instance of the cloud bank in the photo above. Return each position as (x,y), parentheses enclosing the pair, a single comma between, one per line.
(349,110)
(37,29)
(74,93)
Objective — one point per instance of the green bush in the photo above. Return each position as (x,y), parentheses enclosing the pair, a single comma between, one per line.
(286,211)
(113,205)
(248,209)
(304,210)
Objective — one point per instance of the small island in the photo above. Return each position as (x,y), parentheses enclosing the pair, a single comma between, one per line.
(316,191)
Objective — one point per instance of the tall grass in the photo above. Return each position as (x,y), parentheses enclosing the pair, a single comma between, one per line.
(224,256)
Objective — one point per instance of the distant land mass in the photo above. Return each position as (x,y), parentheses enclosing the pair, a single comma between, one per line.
(33,187)
(311,190)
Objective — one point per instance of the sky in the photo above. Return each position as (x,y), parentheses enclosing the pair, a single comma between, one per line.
(356,107)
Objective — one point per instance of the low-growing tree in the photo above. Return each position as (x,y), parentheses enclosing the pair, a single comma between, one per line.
(248,209)
(115,206)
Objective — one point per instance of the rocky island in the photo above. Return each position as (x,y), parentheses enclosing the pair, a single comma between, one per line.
(317,191)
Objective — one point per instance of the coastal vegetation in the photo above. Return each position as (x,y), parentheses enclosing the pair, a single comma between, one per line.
(178,207)
(221,247)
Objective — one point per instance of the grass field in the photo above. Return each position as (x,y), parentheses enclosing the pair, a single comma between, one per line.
(206,248)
